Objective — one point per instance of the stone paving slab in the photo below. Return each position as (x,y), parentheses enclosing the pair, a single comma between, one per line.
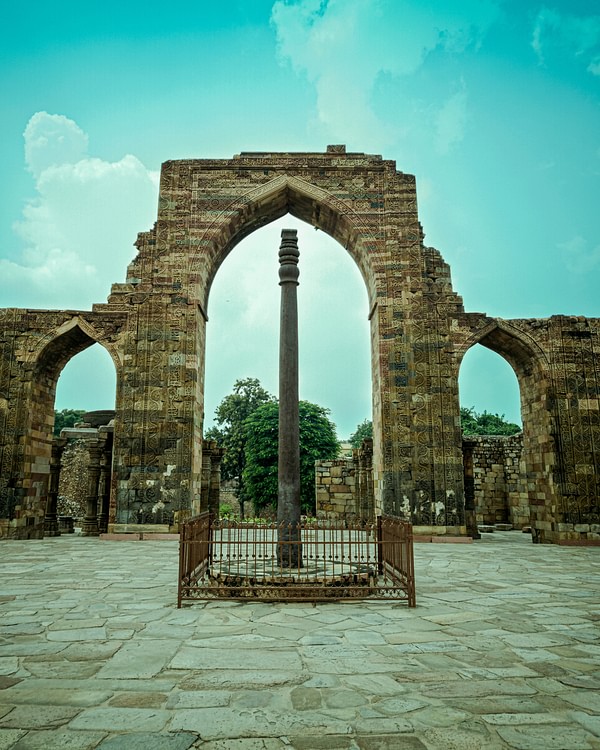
(145,741)
(59,738)
(9,738)
(502,651)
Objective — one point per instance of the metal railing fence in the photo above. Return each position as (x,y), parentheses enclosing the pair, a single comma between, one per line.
(331,560)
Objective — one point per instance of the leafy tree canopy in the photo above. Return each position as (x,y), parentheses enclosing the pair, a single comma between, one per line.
(472,423)
(66,418)
(485,423)
(362,432)
(230,415)
(318,440)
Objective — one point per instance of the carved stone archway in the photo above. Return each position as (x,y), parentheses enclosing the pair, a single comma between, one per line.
(37,345)
(419,333)
(513,340)
(368,206)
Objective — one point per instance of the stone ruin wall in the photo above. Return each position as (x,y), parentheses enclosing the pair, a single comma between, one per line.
(73,482)
(344,487)
(499,473)
(335,488)
(154,326)
(500,483)
(556,363)
(35,345)
(499,479)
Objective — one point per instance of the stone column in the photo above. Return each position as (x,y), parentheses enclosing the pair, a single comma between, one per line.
(214,492)
(469,480)
(51,519)
(367,508)
(359,482)
(205,477)
(90,522)
(288,496)
(104,486)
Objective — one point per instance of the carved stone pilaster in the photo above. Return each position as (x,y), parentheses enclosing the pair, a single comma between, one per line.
(214,492)
(90,522)
(51,527)
(104,486)
(469,479)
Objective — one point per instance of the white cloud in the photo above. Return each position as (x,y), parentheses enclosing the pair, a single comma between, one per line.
(78,231)
(344,45)
(578,256)
(546,21)
(451,120)
(52,140)
(580,35)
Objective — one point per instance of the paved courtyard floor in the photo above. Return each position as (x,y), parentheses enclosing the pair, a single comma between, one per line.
(502,651)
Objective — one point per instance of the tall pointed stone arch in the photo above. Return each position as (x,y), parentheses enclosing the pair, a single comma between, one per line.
(37,345)
(46,360)
(288,194)
(370,208)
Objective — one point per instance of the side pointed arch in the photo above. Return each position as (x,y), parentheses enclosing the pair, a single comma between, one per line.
(516,346)
(57,347)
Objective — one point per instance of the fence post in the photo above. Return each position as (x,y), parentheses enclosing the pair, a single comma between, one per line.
(379,546)
(182,546)
(412,593)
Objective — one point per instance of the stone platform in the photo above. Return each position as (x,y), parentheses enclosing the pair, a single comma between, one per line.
(502,651)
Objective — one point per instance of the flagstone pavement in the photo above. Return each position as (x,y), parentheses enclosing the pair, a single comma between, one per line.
(502,651)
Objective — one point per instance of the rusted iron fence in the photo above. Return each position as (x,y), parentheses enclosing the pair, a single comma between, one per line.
(336,560)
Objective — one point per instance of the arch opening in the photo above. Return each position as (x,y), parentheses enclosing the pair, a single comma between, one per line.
(60,353)
(287,195)
(506,472)
(242,334)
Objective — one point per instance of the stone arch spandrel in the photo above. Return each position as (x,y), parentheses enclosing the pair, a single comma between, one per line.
(200,199)
(515,344)
(268,202)
(57,346)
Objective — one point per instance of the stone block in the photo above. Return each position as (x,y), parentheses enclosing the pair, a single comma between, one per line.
(138,528)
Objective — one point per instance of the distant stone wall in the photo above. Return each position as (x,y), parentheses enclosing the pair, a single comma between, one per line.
(228,499)
(73,482)
(335,482)
(499,482)
(499,479)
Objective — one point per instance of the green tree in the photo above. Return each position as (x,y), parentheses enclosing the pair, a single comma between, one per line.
(363,431)
(485,423)
(318,440)
(230,415)
(66,418)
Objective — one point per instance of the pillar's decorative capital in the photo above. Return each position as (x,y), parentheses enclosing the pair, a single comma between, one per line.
(288,257)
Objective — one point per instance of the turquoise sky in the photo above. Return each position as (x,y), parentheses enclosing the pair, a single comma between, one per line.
(492,104)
